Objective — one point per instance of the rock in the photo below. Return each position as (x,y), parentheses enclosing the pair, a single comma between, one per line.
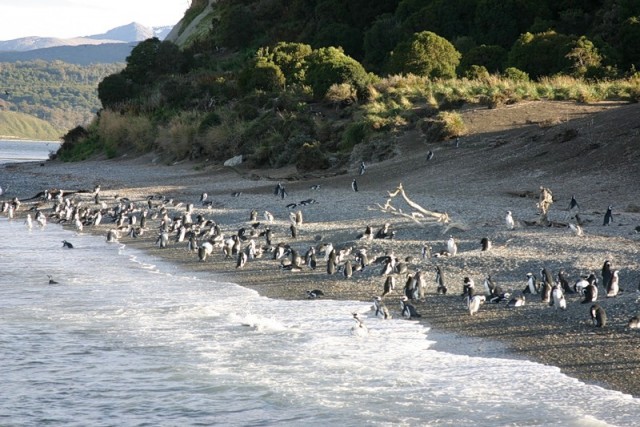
(234,161)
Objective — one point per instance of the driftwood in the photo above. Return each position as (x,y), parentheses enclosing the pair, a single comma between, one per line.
(419,215)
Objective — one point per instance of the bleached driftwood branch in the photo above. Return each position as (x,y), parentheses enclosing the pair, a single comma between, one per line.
(420,215)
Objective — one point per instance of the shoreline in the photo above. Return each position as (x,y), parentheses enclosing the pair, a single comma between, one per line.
(608,356)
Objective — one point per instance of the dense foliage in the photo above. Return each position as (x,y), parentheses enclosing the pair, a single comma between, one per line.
(318,82)
(62,94)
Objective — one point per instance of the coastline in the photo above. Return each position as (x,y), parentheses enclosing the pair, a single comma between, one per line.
(607,356)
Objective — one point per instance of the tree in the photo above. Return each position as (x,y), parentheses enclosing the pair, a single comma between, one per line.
(329,65)
(262,75)
(115,89)
(584,57)
(143,60)
(541,54)
(425,54)
(379,41)
(289,57)
(491,57)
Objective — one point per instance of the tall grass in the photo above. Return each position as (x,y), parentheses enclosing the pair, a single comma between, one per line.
(125,133)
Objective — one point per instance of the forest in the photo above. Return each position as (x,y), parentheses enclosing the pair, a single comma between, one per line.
(65,95)
(312,82)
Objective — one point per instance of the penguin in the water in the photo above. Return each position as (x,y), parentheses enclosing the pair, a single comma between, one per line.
(51,281)
(608,216)
(359,329)
(598,316)
(67,245)
(380,309)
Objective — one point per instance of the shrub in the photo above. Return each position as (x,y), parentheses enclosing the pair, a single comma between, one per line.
(328,66)
(425,54)
(124,133)
(445,125)
(177,138)
(354,134)
(516,75)
(311,157)
(342,94)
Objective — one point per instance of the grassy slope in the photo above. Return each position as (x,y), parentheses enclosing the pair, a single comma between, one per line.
(24,126)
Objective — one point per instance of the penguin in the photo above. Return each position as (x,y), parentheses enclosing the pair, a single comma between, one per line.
(354,185)
(331,267)
(558,301)
(163,239)
(562,278)
(532,285)
(452,247)
(112,236)
(347,270)
(242,259)
(51,281)
(517,301)
(608,216)
(606,273)
(468,288)
(598,316)
(363,167)
(276,190)
(384,231)
(294,231)
(67,245)
(590,292)
(576,229)
(359,329)
(389,285)
(253,216)
(511,224)
(429,155)
(613,288)
(408,310)
(204,251)
(426,251)
(474,302)
(547,284)
(634,322)
(316,293)
(485,244)
(573,204)
(442,287)
(380,309)
(203,197)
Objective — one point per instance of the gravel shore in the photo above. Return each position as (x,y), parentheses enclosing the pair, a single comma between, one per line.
(609,356)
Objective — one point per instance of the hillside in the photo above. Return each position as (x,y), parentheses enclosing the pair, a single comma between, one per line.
(23,126)
(86,54)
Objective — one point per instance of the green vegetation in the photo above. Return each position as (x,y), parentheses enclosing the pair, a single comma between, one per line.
(62,94)
(18,125)
(320,82)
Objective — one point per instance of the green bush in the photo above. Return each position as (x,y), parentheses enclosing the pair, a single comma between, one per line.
(311,157)
(328,66)
(445,125)
(425,54)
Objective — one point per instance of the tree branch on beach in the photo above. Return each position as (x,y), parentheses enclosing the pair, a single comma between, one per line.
(419,215)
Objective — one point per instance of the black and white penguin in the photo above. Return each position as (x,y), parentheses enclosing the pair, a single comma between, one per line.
(511,224)
(590,291)
(452,247)
(67,245)
(468,288)
(558,301)
(359,329)
(294,231)
(573,204)
(242,259)
(613,288)
(408,310)
(485,244)
(380,309)
(363,167)
(562,278)
(347,269)
(608,216)
(389,285)
(598,316)
(547,284)
(493,291)
(51,281)
(441,286)
(606,274)
(316,293)
(517,301)
(425,252)
(354,185)
(429,155)
(532,286)
(474,302)
(634,323)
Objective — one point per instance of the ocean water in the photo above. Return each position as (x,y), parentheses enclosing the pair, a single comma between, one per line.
(124,339)
(26,151)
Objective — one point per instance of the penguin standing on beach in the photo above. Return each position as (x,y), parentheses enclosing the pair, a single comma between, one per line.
(532,285)
(452,247)
(613,288)
(606,274)
(389,285)
(363,167)
(558,301)
(591,290)
(485,244)
(608,216)
(408,310)
(441,286)
(547,284)
(598,316)
(511,224)
(354,185)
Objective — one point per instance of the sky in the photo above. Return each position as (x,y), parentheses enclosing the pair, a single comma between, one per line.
(73,18)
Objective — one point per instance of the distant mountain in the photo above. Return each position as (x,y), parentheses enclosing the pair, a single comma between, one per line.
(129,33)
(107,53)
(132,32)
